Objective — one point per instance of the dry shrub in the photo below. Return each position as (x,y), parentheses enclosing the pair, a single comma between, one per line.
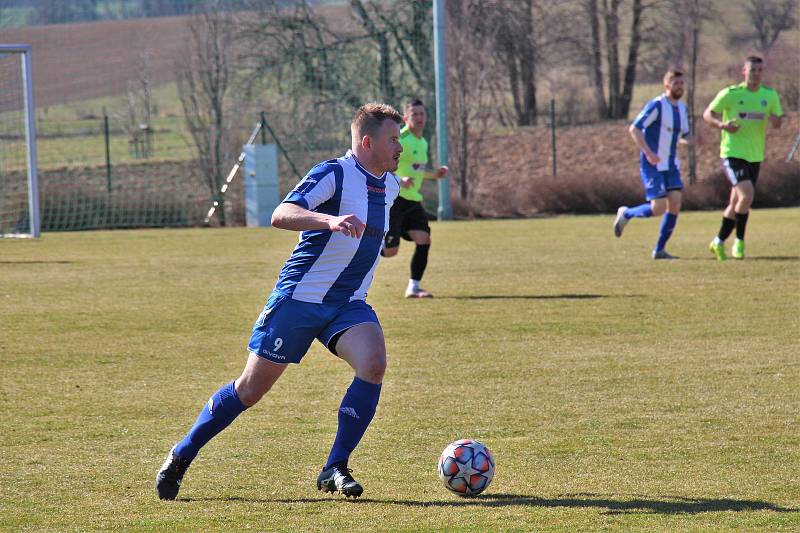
(778,186)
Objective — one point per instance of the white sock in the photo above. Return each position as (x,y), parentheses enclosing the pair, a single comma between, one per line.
(413,284)
(717,241)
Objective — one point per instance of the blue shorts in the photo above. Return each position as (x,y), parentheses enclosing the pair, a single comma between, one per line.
(286,328)
(658,182)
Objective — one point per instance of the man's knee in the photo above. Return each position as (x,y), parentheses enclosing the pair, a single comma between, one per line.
(658,206)
(423,238)
(250,391)
(257,378)
(373,367)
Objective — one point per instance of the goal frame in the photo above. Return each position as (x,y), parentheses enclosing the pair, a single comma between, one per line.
(34,215)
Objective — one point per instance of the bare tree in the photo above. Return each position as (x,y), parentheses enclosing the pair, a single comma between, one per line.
(621,78)
(469,92)
(382,41)
(509,25)
(770,19)
(305,53)
(696,25)
(203,81)
(402,31)
(596,58)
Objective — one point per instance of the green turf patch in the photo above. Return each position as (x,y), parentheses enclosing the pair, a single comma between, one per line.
(616,393)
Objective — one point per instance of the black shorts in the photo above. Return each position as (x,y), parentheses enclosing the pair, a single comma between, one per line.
(737,170)
(405,215)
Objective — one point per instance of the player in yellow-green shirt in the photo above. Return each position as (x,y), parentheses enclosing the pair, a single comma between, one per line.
(742,112)
(407,218)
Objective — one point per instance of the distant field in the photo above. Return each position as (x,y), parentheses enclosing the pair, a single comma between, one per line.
(74,62)
(616,393)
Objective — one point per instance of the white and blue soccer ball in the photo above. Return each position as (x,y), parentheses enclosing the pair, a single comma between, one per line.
(466,467)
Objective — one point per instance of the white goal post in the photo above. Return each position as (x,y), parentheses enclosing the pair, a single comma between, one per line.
(19,185)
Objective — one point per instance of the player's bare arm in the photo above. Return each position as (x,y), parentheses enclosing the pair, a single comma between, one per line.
(776,121)
(437,174)
(296,218)
(638,138)
(715,120)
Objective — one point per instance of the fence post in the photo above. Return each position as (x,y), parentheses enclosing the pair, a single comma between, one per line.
(553,133)
(445,211)
(108,150)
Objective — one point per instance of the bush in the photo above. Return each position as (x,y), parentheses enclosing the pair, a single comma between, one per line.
(778,186)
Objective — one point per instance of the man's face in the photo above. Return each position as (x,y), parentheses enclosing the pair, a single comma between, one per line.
(675,88)
(415,117)
(385,147)
(752,73)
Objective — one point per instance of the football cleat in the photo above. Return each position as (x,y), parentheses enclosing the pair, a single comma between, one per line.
(620,221)
(418,293)
(718,250)
(168,479)
(337,478)
(738,249)
(663,254)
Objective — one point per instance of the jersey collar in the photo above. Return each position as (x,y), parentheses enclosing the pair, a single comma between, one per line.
(352,157)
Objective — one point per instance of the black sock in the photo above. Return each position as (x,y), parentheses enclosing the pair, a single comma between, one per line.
(419,261)
(727,228)
(741,224)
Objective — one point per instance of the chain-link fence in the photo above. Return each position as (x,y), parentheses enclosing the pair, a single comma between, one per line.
(140,120)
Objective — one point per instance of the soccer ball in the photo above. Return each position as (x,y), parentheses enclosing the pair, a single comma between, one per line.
(466,467)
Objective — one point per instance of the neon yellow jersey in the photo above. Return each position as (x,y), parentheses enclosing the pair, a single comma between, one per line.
(750,109)
(413,162)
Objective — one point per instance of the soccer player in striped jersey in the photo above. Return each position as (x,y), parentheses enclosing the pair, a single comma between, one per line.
(741,112)
(342,209)
(657,130)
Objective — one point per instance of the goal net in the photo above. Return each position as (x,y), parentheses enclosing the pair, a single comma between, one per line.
(19,196)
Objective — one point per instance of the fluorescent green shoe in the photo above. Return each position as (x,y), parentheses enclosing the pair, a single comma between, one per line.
(738,249)
(718,250)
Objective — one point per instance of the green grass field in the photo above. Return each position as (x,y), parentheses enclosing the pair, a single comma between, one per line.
(617,393)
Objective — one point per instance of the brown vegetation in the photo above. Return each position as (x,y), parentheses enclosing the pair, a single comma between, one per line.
(598,170)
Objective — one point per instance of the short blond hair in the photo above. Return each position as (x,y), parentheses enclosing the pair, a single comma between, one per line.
(369,117)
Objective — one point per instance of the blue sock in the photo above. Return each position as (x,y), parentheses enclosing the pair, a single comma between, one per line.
(355,413)
(221,409)
(667,225)
(640,211)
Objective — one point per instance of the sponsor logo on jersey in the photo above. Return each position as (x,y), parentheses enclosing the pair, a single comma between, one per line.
(744,115)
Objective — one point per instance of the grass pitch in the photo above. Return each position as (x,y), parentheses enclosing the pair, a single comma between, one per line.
(617,393)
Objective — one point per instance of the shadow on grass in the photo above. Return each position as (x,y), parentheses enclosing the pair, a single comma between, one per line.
(776,258)
(633,505)
(36,262)
(539,297)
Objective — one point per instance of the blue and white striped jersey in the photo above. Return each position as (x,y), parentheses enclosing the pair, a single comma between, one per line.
(329,267)
(662,123)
